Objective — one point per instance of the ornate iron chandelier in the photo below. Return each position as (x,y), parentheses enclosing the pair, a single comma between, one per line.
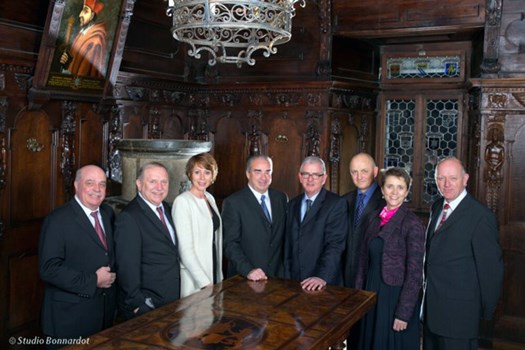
(232,30)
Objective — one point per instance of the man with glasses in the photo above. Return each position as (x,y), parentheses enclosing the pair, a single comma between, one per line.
(316,229)
(253,224)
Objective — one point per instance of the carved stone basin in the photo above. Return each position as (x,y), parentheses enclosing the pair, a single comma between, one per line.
(171,153)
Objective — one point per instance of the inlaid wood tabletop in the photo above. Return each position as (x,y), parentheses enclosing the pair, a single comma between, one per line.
(240,314)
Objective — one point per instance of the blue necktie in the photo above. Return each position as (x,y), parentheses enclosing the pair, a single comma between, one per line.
(308,206)
(359,209)
(265,208)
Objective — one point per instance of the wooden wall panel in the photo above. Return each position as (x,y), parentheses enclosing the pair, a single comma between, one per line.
(228,151)
(358,18)
(349,147)
(133,127)
(25,290)
(31,153)
(92,139)
(287,151)
(172,126)
(516,208)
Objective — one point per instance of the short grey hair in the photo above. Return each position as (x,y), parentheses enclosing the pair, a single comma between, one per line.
(313,160)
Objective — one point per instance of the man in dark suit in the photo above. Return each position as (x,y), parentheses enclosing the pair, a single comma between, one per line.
(77,262)
(362,201)
(253,241)
(146,246)
(463,264)
(316,228)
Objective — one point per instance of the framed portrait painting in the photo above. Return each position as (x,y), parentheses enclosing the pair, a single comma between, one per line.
(82,47)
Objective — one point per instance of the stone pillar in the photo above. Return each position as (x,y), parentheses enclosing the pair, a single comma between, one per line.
(171,153)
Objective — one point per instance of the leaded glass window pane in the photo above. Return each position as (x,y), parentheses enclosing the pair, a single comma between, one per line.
(441,140)
(400,122)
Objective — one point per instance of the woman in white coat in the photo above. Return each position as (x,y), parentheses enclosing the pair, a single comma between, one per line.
(199,227)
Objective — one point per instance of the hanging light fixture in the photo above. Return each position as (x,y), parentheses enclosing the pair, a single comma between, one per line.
(232,30)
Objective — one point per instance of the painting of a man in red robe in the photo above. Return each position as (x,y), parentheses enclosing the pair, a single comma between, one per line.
(87,54)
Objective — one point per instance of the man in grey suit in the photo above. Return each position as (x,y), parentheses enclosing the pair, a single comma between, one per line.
(362,201)
(463,264)
(146,246)
(316,229)
(77,262)
(253,224)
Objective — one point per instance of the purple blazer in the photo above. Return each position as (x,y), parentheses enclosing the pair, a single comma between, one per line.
(403,250)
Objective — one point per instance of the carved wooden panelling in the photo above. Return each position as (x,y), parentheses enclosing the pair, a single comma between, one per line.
(287,151)
(229,151)
(31,152)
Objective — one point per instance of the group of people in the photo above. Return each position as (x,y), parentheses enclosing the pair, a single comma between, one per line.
(447,277)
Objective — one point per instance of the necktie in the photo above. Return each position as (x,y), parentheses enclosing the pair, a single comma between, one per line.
(98,229)
(359,209)
(161,214)
(265,208)
(443,216)
(308,206)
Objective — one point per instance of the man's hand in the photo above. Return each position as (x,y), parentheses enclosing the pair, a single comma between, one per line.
(105,277)
(313,283)
(399,325)
(257,286)
(256,275)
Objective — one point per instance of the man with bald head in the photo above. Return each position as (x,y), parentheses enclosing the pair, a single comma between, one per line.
(365,199)
(77,262)
(463,264)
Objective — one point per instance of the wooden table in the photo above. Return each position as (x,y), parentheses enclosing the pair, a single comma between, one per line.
(240,314)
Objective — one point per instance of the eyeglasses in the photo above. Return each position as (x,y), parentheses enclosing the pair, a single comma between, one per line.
(315,176)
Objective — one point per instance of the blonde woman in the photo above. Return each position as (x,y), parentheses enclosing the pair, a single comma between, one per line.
(199,227)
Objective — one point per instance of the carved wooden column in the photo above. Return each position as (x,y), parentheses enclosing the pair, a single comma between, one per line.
(490,64)
(67,159)
(3,150)
(115,134)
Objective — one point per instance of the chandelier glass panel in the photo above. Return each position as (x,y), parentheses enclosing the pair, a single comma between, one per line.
(232,30)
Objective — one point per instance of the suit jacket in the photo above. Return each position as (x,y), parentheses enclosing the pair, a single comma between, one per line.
(402,261)
(147,259)
(314,246)
(250,241)
(355,234)
(70,253)
(464,269)
(196,240)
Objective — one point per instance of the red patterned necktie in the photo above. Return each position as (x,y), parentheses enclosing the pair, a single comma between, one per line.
(98,229)
(161,214)
(443,216)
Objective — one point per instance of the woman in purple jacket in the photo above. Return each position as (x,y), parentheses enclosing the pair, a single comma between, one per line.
(391,264)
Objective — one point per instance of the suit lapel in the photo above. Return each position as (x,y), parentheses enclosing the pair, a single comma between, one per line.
(275,206)
(254,204)
(108,230)
(167,212)
(151,216)
(315,207)
(351,205)
(456,213)
(85,224)
(434,215)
